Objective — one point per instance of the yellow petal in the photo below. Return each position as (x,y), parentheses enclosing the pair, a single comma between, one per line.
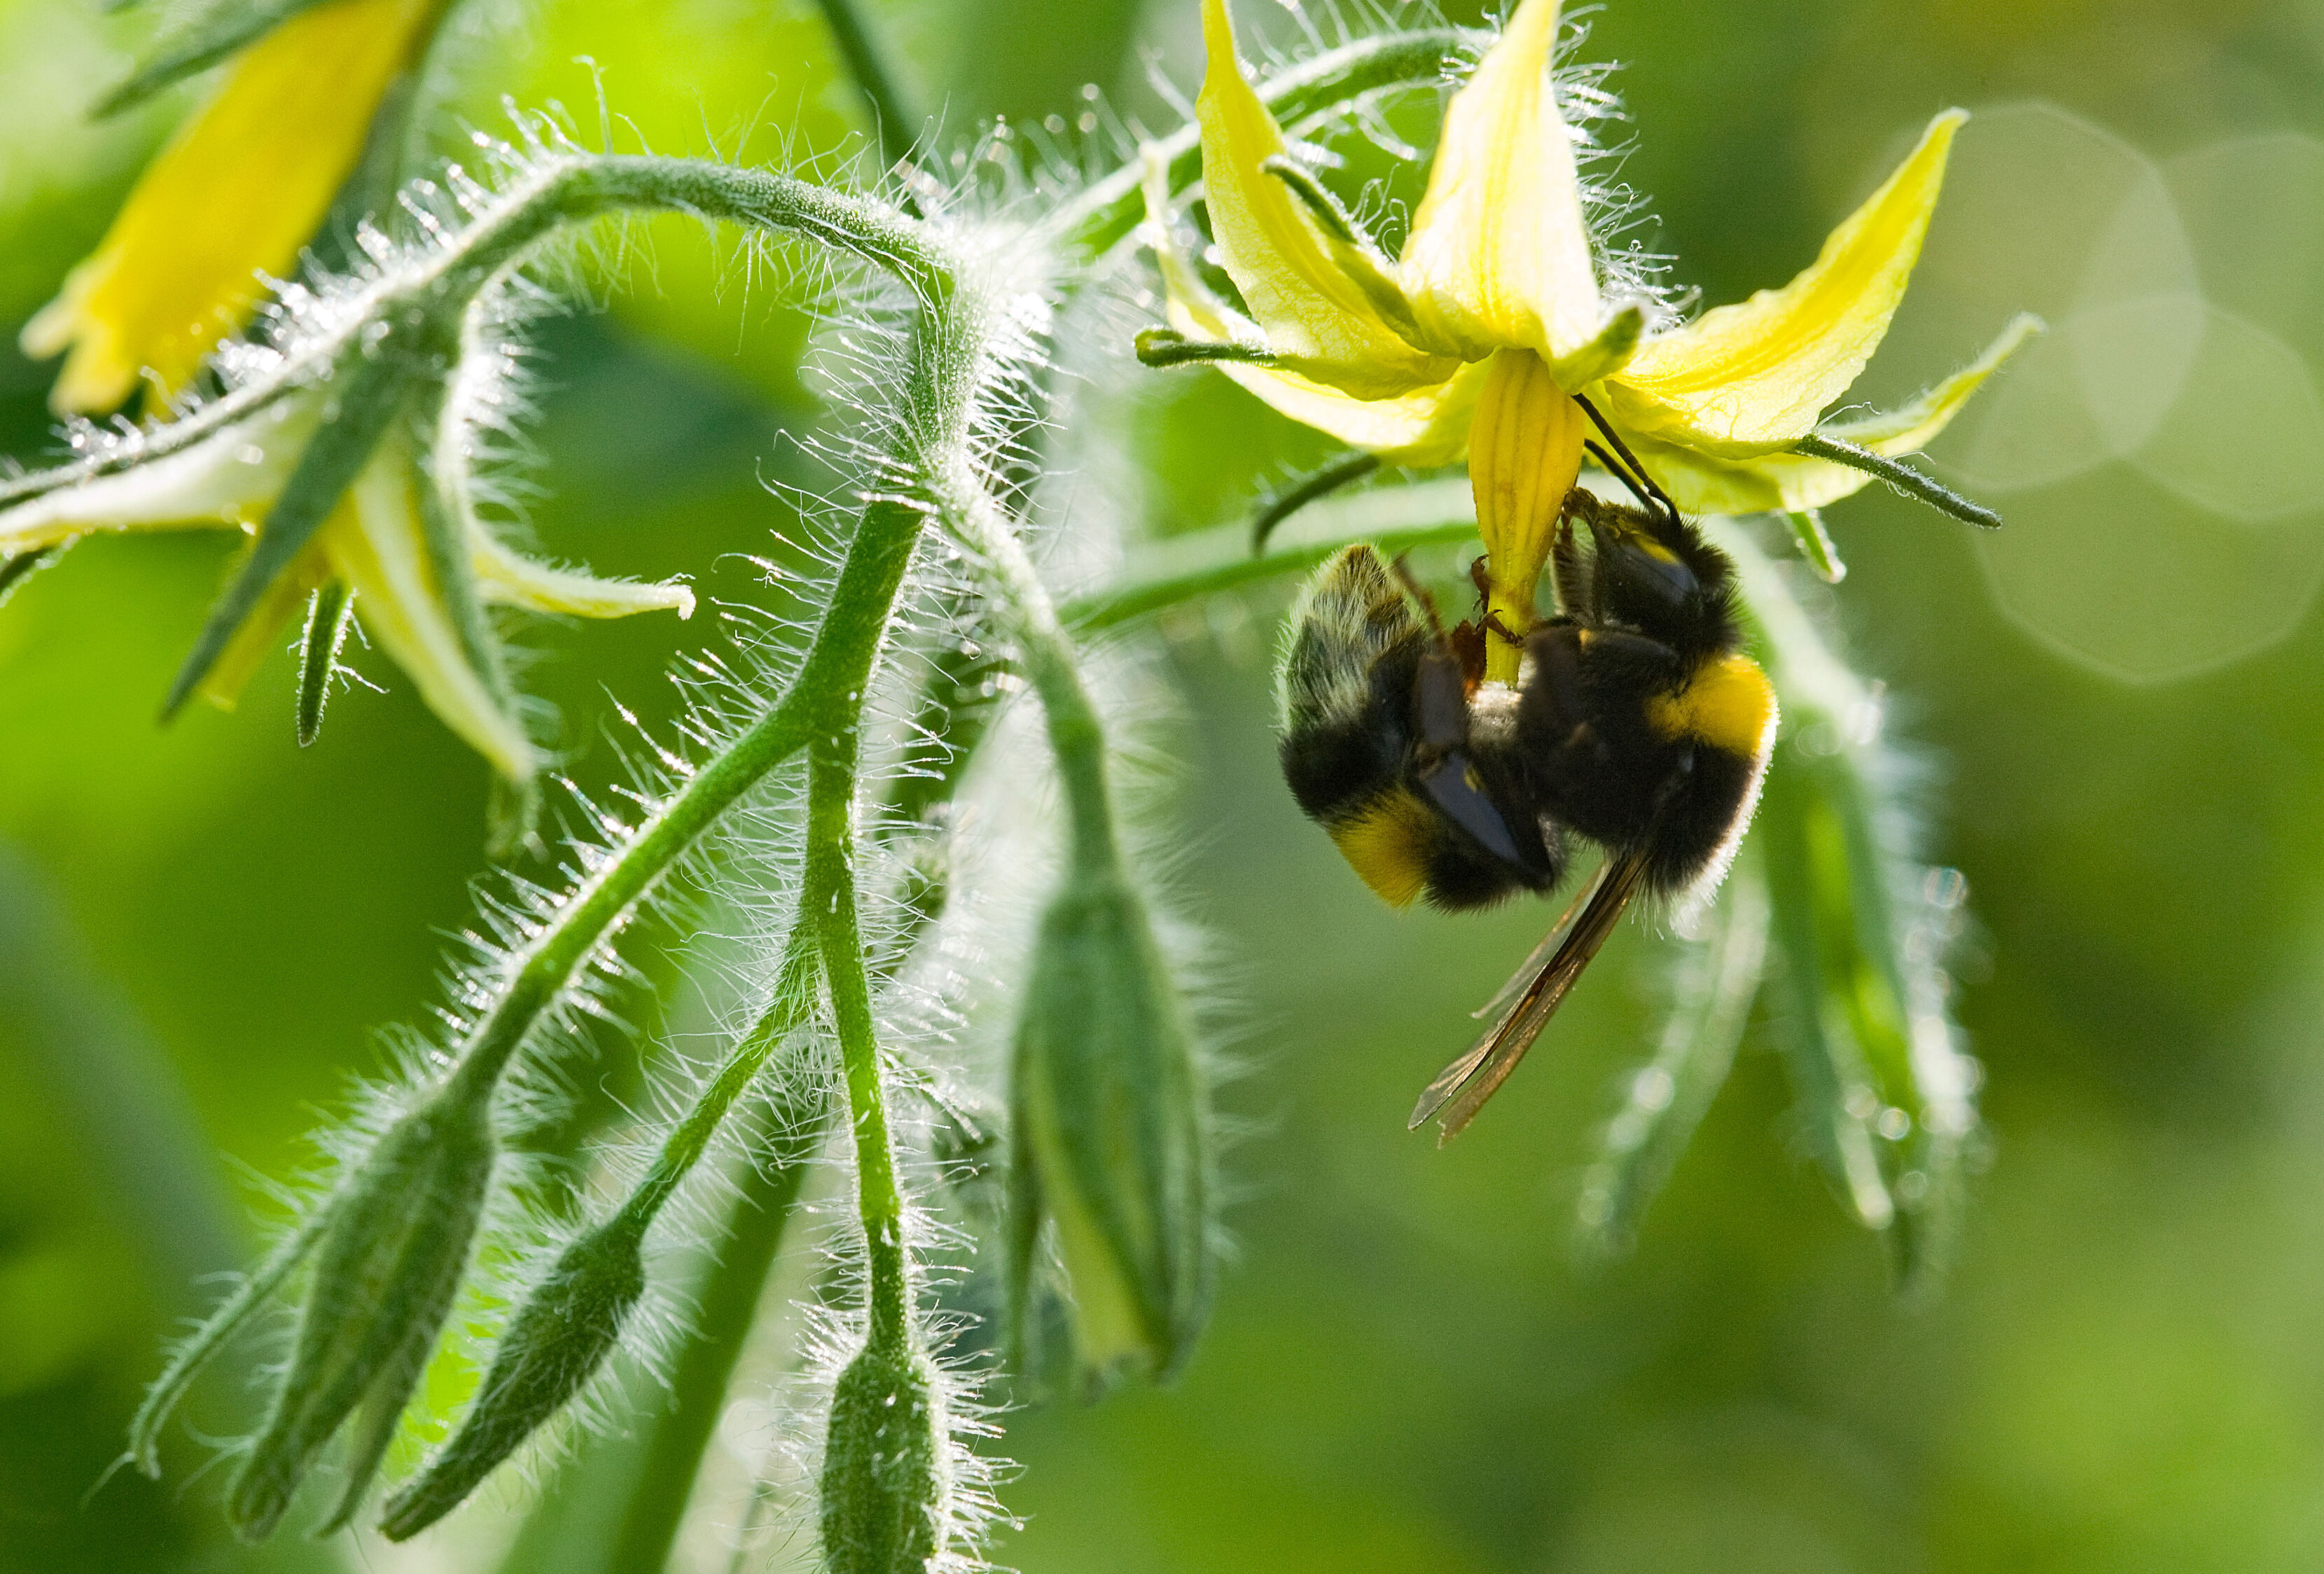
(379,548)
(1524,453)
(1311,312)
(1747,379)
(1424,428)
(1499,254)
(509,580)
(1794,483)
(245,184)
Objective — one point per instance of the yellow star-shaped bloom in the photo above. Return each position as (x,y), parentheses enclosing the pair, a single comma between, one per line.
(1481,335)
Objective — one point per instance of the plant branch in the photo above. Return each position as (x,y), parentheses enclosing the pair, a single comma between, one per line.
(727,1298)
(878,1198)
(875,76)
(1300,96)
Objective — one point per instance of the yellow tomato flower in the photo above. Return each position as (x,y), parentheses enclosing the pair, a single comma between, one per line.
(374,540)
(1481,336)
(245,185)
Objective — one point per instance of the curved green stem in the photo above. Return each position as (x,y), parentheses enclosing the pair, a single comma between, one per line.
(1107,210)
(878,1198)
(1076,734)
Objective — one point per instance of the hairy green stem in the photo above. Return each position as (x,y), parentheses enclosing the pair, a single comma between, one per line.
(878,1198)
(1299,96)
(1912,482)
(787,1009)
(874,76)
(727,1297)
(437,285)
(1046,652)
(1189,568)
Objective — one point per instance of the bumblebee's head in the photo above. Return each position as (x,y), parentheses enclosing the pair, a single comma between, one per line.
(1654,572)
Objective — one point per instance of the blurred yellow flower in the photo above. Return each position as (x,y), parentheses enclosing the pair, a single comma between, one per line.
(245,184)
(1481,335)
(375,540)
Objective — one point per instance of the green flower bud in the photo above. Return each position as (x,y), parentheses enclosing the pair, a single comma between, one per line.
(1111,1135)
(562,1335)
(393,1253)
(885,1488)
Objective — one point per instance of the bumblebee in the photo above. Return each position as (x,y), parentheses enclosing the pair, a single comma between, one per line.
(1636,725)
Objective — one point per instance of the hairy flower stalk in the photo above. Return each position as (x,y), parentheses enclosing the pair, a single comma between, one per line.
(886,1484)
(1111,1132)
(823,703)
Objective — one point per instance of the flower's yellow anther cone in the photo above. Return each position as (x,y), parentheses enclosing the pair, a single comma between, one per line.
(245,184)
(1525,452)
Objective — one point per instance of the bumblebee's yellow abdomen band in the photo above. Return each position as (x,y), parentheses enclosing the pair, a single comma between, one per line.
(1388,844)
(1729,705)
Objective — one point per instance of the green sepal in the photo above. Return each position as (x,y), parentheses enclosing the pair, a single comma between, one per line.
(328,614)
(393,1251)
(1914,484)
(558,1340)
(1166,347)
(1604,356)
(368,394)
(194,41)
(883,1489)
(512,811)
(1815,545)
(186,1363)
(15,571)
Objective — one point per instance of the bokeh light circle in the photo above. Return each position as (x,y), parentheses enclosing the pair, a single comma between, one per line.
(2159,453)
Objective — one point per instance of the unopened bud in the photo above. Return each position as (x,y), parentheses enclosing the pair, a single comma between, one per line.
(392,1255)
(884,1488)
(557,1342)
(1111,1135)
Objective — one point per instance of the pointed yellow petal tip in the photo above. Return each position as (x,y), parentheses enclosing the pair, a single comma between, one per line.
(243,187)
(1499,253)
(512,579)
(1313,311)
(1749,379)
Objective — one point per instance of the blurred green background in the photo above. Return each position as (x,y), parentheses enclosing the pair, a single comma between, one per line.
(1409,1371)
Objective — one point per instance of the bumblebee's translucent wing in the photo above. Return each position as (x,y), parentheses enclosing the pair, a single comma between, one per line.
(1460,1089)
(1540,954)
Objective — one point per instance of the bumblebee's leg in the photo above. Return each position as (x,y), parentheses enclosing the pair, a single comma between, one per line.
(1552,709)
(1568,573)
